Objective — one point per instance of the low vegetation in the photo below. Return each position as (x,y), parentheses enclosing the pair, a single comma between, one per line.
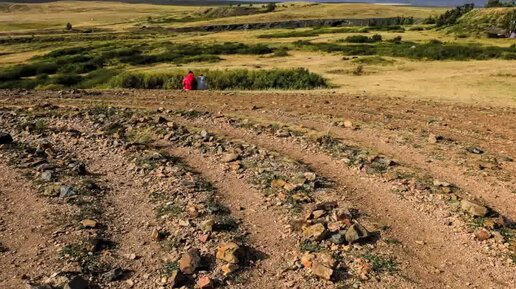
(93,65)
(241,79)
(432,50)
(325,30)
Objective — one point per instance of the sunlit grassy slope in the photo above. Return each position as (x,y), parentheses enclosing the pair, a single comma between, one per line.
(16,17)
(81,14)
(290,11)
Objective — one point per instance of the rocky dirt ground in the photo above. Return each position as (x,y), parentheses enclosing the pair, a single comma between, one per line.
(165,189)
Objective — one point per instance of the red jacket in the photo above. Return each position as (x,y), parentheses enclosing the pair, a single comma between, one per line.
(189,82)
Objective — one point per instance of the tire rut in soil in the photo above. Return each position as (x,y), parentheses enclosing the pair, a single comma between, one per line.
(266,229)
(443,170)
(26,243)
(377,198)
(183,137)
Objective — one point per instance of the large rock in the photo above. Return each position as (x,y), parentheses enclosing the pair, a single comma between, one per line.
(315,232)
(115,274)
(89,223)
(5,138)
(47,175)
(482,235)
(204,282)
(66,191)
(473,208)
(190,261)
(321,271)
(355,233)
(229,252)
(77,282)
(230,157)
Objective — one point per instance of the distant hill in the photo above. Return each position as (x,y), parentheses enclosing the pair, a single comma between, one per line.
(479,21)
(427,3)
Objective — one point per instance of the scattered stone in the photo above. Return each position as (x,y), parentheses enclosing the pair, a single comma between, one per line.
(228,269)
(228,252)
(474,150)
(278,183)
(307,260)
(204,134)
(438,183)
(204,282)
(88,223)
(309,176)
(66,191)
(57,280)
(321,270)
(473,208)
(207,225)
(355,233)
(159,119)
(77,282)
(230,157)
(155,235)
(348,124)
(315,232)
(318,214)
(79,168)
(190,261)
(282,133)
(337,238)
(434,138)
(47,176)
(362,268)
(482,235)
(5,138)
(204,238)
(115,274)
(176,279)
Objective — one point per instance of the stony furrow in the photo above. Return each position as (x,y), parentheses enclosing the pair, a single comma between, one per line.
(428,222)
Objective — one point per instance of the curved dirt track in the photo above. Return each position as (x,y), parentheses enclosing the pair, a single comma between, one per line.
(437,249)
(411,223)
(25,231)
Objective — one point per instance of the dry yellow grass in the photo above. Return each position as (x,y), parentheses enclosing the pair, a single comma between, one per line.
(20,17)
(321,11)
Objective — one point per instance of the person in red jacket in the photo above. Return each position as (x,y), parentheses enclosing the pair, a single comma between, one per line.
(189,82)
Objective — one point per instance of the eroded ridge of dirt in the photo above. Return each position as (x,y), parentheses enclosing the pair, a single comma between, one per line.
(426,178)
(104,135)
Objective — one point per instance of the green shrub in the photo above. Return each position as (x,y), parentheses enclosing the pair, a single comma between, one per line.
(281,52)
(363,39)
(67,79)
(240,79)
(450,17)
(426,51)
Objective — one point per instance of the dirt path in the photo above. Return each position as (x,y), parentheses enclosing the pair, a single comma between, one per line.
(130,214)
(437,250)
(496,193)
(25,232)
(267,227)
(432,246)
